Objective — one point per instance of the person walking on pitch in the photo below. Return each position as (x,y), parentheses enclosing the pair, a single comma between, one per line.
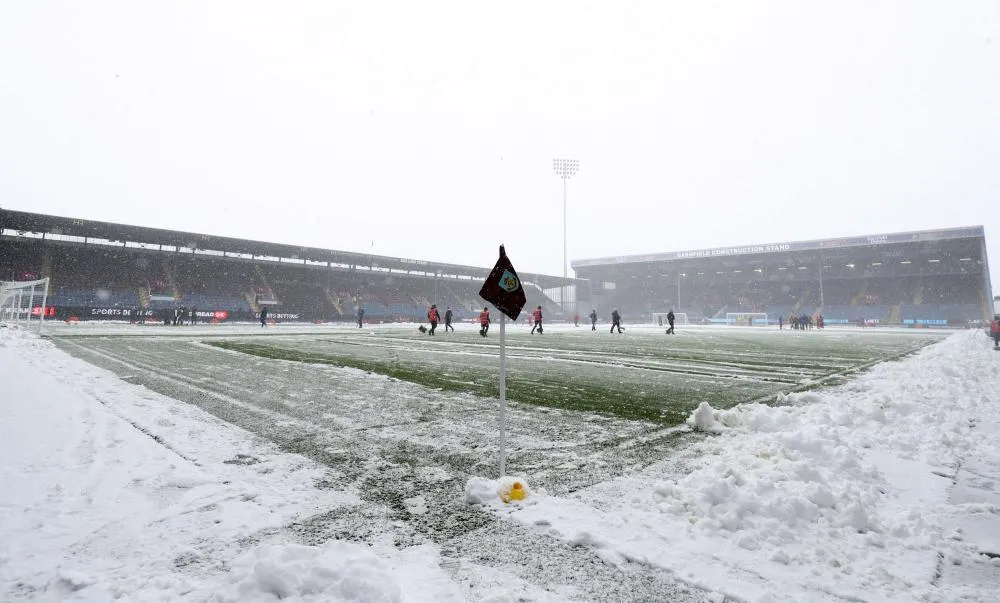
(537,315)
(616,321)
(670,321)
(447,320)
(433,317)
(484,322)
(593,319)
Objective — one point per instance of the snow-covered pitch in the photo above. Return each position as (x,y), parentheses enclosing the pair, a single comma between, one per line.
(175,470)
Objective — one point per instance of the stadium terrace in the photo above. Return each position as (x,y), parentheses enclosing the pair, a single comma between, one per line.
(106,271)
(920,278)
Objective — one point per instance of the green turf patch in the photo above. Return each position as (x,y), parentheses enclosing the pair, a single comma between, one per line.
(628,401)
(642,377)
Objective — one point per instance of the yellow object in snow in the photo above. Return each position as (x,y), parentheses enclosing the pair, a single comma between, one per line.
(511,488)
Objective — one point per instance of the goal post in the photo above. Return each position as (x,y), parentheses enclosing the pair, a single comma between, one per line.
(747,319)
(24,302)
(660,318)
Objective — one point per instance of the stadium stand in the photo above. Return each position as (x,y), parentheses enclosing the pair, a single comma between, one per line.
(936,277)
(101,270)
(97,268)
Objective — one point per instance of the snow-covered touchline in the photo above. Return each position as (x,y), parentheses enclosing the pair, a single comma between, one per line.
(181,382)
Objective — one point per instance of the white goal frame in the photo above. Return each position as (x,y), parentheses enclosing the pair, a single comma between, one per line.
(747,319)
(680,318)
(19,299)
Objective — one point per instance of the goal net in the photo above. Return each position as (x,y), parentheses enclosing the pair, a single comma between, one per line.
(746,319)
(660,318)
(23,302)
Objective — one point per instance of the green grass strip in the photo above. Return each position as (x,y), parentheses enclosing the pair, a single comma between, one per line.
(626,401)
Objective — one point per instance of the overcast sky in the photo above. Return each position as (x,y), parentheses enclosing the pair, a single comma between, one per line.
(427,129)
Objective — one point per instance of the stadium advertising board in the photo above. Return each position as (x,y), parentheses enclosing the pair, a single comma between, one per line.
(153,315)
(913,322)
(35,312)
(113,313)
(282,316)
(118,313)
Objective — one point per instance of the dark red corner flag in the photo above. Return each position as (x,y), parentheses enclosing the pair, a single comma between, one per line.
(503,289)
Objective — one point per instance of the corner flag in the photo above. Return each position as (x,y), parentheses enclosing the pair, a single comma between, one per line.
(502,288)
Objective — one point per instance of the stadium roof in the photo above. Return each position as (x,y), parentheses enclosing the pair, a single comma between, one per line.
(26,222)
(843,242)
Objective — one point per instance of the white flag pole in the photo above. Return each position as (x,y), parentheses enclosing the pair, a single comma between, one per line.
(45,298)
(503,392)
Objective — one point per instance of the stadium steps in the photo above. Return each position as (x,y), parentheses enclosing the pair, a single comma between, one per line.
(453,298)
(894,313)
(144,297)
(171,282)
(252,301)
(860,294)
(918,297)
(263,279)
(335,302)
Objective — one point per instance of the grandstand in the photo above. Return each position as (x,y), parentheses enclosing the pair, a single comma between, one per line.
(101,270)
(935,277)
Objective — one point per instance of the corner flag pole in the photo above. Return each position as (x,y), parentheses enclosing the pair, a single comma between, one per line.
(503,289)
(503,393)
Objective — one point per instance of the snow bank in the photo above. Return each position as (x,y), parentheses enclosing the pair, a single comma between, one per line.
(839,493)
(703,419)
(336,571)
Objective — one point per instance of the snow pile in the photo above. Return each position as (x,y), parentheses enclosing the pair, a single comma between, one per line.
(337,571)
(785,485)
(703,419)
(480,491)
(840,493)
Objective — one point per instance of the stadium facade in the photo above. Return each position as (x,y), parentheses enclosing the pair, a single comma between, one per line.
(933,277)
(103,270)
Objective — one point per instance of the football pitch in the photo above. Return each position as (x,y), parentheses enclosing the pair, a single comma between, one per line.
(443,389)
(642,375)
(405,419)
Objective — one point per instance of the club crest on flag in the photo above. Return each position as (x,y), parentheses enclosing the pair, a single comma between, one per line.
(503,289)
(509,281)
